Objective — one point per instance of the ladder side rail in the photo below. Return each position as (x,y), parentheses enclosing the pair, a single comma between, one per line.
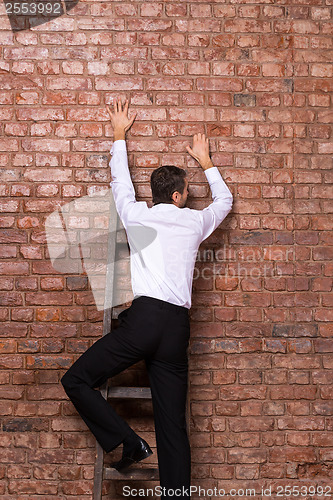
(107,323)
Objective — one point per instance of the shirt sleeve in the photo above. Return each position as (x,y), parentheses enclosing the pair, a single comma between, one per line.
(121,184)
(216,212)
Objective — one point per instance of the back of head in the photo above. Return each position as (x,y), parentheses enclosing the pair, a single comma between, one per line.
(166,180)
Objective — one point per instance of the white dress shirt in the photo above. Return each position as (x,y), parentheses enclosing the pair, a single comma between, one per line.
(164,239)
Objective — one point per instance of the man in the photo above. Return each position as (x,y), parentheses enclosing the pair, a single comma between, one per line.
(156,326)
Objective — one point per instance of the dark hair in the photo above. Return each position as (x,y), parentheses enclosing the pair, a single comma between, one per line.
(166,180)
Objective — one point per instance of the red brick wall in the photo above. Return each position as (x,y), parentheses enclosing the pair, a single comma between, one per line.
(257,79)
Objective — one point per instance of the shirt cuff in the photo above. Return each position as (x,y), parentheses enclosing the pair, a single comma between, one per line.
(118,145)
(212,174)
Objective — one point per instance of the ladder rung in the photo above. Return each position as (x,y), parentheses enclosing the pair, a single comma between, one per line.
(129,392)
(145,474)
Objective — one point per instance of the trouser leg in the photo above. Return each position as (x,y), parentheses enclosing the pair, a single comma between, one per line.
(160,335)
(168,376)
(110,355)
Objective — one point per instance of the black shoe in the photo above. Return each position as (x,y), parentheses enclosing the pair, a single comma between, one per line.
(141,451)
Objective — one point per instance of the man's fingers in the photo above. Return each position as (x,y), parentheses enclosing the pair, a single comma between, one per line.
(126,107)
(199,137)
(118,104)
(110,114)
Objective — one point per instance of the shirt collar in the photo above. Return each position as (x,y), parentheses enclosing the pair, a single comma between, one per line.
(164,205)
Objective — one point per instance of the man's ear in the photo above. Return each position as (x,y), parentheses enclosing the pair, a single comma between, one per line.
(174,196)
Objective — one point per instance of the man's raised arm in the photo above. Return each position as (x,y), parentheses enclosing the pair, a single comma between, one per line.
(216,212)
(121,184)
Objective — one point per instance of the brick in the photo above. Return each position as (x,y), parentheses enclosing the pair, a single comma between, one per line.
(54,346)
(78,488)
(60,330)
(42,298)
(20,190)
(10,361)
(17,471)
(7,346)
(16,129)
(47,314)
(151,10)
(33,53)
(47,362)
(219,84)
(9,206)
(23,377)
(28,283)
(10,298)
(45,144)
(8,251)
(14,456)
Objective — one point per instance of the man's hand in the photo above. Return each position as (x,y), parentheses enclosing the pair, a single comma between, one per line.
(119,119)
(200,151)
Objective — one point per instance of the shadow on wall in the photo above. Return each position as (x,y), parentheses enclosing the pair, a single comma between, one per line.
(24,15)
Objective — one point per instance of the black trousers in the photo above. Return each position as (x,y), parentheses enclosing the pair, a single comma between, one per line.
(158,332)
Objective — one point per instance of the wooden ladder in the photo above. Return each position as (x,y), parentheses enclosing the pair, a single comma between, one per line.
(108,391)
